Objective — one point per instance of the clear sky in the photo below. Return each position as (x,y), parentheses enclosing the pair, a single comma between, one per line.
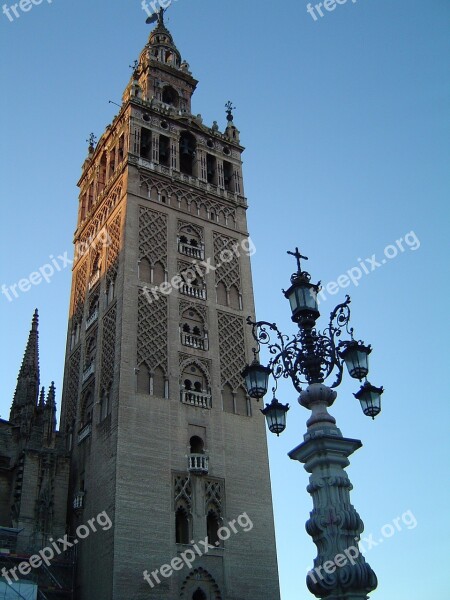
(346,123)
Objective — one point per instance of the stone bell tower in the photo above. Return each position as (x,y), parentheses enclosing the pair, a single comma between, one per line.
(162,434)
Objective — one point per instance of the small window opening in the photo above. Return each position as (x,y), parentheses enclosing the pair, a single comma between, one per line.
(181,526)
(164,151)
(211,168)
(228,175)
(212,528)
(187,153)
(197,445)
(146,144)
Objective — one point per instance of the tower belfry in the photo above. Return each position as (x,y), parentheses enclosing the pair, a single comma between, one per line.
(162,434)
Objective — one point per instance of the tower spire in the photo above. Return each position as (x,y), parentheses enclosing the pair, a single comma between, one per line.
(27,388)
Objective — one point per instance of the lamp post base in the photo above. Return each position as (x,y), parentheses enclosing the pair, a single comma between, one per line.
(340,571)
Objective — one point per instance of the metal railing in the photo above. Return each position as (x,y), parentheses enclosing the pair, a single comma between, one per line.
(201,399)
(198,463)
(194,341)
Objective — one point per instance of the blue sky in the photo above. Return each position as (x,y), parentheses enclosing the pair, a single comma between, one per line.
(346,124)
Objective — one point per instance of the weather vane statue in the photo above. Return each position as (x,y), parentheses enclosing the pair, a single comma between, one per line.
(229,110)
(157,16)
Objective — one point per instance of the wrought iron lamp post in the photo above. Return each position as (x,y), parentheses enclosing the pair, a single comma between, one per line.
(340,571)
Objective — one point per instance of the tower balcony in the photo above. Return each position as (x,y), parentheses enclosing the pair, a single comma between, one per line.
(85,432)
(91,319)
(198,463)
(193,291)
(200,399)
(194,341)
(191,251)
(88,372)
(78,501)
(94,279)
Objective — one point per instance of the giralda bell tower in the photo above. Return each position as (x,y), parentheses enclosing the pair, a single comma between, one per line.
(162,434)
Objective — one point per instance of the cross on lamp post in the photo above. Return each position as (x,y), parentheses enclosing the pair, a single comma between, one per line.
(308,358)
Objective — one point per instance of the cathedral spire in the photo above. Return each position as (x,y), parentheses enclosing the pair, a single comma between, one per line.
(50,415)
(42,398)
(27,389)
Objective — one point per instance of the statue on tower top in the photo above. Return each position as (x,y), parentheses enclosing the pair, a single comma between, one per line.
(156,16)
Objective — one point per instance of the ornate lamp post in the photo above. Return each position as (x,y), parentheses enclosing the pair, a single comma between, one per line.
(340,571)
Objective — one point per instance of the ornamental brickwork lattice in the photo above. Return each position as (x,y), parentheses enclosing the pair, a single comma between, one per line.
(153,236)
(101,216)
(80,291)
(73,381)
(227,264)
(231,349)
(108,348)
(152,332)
(114,241)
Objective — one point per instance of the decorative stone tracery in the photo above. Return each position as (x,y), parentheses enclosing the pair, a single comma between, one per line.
(188,201)
(200,579)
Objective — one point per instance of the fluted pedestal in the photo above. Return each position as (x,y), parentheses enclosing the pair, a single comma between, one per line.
(340,571)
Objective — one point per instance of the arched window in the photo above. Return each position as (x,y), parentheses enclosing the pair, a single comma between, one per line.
(199,595)
(221,294)
(105,405)
(212,528)
(95,265)
(228,176)
(102,174)
(196,444)
(228,399)
(235,301)
(188,146)
(190,242)
(146,143)
(193,330)
(86,409)
(164,150)
(159,383)
(145,270)
(194,387)
(159,274)
(91,349)
(170,96)
(93,305)
(211,169)
(181,526)
(110,290)
(143,380)
(241,402)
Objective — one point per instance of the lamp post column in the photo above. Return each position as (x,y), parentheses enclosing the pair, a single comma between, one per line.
(340,571)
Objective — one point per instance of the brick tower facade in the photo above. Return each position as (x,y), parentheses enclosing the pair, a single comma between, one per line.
(162,434)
